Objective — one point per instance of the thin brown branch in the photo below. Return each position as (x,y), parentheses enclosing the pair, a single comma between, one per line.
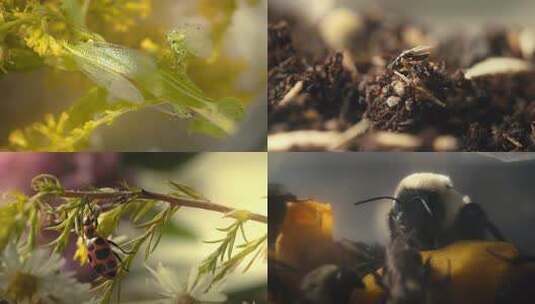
(147,195)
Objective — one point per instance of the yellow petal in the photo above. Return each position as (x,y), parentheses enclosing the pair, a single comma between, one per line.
(81,252)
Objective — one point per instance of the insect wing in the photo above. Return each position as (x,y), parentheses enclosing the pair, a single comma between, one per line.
(117,85)
(114,68)
(419,53)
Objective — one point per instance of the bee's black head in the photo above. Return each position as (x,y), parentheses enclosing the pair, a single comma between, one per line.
(90,223)
(424,206)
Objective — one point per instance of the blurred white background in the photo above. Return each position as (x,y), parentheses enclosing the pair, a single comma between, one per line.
(455,13)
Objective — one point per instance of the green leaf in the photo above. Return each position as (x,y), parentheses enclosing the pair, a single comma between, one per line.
(46,183)
(231,108)
(131,75)
(10,225)
(86,107)
(185,190)
(203,126)
(109,220)
(173,229)
(145,208)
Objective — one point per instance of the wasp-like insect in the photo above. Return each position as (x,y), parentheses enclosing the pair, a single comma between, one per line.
(102,258)
(415,54)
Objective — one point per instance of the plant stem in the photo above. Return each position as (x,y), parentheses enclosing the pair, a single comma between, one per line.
(147,195)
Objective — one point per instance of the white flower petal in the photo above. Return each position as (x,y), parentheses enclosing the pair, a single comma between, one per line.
(54,286)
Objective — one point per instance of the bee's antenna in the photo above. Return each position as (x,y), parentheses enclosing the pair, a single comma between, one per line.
(376,199)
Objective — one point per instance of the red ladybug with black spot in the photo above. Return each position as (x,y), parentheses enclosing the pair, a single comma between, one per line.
(100,254)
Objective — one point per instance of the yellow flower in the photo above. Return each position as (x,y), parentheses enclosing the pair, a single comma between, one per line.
(121,14)
(41,42)
(81,252)
(307,224)
(150,46)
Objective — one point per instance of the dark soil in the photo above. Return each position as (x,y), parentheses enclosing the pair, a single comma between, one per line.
(423,95)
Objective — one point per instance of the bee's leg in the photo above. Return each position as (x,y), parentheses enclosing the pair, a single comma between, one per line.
(119,247)
(404,264)
(495,231)
(120,261)
(94,276)
(472,223)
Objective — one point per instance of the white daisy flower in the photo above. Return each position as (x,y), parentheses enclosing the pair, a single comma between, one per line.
(39,279)
(177,289)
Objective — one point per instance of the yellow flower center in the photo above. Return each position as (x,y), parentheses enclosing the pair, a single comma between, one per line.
(22,286)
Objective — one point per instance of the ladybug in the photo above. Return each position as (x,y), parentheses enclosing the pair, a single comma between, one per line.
(101,257)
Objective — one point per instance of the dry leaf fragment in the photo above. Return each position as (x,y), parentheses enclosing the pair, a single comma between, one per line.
(498,65)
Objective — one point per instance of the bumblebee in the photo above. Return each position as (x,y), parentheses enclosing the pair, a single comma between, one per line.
(427,206)
(444,249)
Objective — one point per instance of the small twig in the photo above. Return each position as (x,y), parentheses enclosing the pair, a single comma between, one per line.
(349,64)
(292,93)
(513,141)
(147,195)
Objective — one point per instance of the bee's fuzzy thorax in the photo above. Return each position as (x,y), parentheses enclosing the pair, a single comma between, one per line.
(425,181)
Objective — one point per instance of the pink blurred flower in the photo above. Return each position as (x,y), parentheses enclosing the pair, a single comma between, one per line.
(75,170)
